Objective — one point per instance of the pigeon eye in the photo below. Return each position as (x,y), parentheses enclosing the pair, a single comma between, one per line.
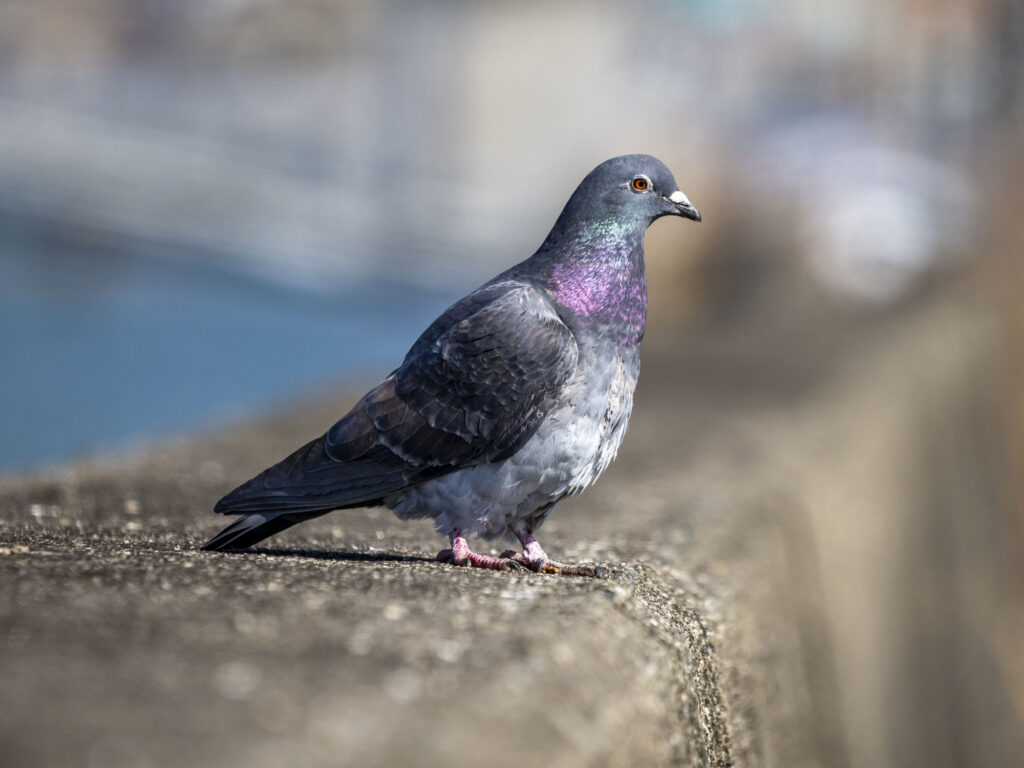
(640,184)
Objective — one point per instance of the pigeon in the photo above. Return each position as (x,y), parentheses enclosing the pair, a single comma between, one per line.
(516,397)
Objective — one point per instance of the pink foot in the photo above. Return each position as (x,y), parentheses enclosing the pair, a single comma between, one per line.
(460,554)
(535,558)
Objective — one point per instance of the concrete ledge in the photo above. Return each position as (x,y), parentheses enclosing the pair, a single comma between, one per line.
(741,624)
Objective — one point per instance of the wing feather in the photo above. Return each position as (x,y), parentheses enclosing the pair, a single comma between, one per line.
(474,388)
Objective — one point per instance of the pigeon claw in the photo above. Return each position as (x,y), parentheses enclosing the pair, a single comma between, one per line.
(522,560)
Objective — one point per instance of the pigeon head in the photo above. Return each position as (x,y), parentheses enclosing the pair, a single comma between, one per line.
(592,261)
(631,190)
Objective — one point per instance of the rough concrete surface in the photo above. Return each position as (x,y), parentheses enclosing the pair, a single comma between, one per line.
(735,627)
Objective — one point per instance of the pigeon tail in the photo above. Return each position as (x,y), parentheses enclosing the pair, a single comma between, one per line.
(251,529)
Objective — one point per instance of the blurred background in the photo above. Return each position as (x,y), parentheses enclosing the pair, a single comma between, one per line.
(209,207)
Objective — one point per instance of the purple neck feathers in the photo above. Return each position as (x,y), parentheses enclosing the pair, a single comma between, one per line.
(599,276)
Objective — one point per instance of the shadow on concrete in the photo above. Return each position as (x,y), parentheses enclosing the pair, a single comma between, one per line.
(355,557)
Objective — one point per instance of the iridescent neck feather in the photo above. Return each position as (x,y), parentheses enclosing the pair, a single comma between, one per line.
(599,275)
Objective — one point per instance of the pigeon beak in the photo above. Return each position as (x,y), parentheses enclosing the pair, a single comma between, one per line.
(683,206)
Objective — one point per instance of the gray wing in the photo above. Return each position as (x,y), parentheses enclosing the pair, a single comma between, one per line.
(473,389)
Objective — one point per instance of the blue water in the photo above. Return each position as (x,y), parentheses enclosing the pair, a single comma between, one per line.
(102,345)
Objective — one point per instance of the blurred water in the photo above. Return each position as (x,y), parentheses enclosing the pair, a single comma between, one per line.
(101,345)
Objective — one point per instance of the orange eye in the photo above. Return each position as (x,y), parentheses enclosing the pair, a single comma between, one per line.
(640,184)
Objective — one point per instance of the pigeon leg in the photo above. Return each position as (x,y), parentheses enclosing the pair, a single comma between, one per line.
(535,558)
(460,554)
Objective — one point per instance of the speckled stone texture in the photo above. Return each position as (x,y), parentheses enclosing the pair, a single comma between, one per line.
(792,584)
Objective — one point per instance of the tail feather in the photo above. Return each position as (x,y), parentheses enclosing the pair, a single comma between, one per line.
(253,528)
